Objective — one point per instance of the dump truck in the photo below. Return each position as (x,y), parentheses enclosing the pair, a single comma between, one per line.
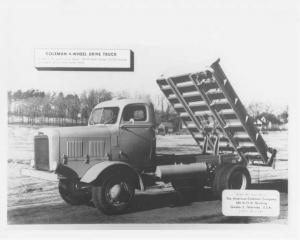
(106,161)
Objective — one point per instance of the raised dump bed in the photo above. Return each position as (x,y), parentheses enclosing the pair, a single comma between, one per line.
(215,116)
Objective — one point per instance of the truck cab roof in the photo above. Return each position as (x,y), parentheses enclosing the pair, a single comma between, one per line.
(122,102)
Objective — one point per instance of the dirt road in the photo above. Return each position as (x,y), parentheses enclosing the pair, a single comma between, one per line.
(37,201)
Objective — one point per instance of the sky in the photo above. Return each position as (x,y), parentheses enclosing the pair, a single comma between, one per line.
(256,41)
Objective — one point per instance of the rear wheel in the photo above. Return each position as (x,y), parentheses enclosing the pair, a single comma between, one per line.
(115,194)
(216,182)
(72,194)
(230,176)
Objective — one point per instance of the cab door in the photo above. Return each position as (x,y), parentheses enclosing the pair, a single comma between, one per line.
(137,136)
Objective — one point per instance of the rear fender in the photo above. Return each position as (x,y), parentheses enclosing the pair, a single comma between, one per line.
(95,174)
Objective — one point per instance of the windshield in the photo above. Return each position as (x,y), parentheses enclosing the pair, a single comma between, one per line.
(107,115)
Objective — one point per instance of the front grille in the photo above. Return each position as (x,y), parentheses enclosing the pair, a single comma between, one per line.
(41,152)
(74,149)
(96,148)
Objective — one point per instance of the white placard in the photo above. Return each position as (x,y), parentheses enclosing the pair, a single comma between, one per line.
(251,203)
(57,58)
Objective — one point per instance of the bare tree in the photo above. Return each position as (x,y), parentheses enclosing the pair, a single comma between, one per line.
(60,107)
(284,116)
(257,108)
(122,94)
(89,99)
(73,106)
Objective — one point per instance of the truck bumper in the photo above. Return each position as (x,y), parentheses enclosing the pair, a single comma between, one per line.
(49,176)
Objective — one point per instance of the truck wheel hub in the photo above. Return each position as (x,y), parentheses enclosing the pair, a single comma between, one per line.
(118,194)
(115,192)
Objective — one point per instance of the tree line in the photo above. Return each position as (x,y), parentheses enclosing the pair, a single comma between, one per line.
(74,109)
(264,111)
(33,104)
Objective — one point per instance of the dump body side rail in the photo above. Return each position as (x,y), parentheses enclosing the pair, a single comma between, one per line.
(209,107)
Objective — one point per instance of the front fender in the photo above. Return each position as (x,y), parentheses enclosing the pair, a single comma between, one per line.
(94,172)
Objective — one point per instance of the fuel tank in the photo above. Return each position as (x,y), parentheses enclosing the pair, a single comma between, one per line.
(177,171)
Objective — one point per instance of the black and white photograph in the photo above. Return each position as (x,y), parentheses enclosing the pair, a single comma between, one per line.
(149,112)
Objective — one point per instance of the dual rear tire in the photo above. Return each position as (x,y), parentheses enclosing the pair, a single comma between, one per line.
(227,176)
(230,176)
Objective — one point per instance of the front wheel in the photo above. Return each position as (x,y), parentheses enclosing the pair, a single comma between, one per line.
(114,196)
(72,194)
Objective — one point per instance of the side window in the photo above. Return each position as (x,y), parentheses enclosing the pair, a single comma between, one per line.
(135,112)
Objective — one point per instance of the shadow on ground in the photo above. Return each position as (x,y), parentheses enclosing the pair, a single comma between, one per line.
(280,185)
(154,206)
(148,201)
